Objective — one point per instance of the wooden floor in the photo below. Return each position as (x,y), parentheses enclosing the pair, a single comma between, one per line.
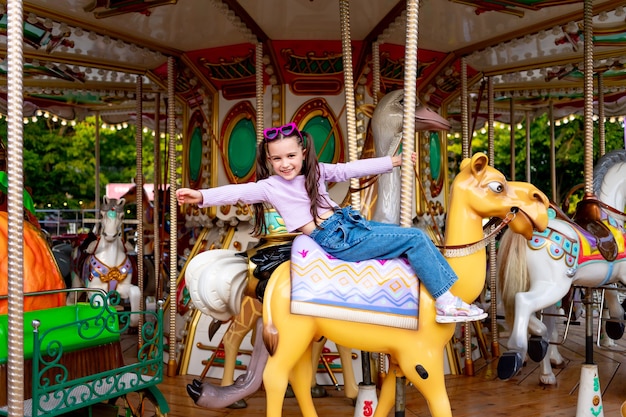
(479,395)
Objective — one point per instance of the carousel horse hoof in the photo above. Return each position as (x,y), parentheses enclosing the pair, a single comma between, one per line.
(194,392)
(239,404)
(196,383)
(509,365)
(614,330)
(537,348)
(318,391)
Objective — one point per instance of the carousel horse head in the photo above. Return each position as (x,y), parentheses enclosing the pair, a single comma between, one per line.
(111,218)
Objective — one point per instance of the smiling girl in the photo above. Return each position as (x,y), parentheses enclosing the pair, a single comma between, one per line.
(290,178)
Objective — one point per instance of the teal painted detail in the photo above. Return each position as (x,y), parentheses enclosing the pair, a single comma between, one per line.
(195,154)
(242,148)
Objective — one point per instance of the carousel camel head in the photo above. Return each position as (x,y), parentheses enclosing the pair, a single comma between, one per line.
(480,181)
(387,122)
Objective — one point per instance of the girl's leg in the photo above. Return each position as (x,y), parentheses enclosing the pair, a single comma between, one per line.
(373,240)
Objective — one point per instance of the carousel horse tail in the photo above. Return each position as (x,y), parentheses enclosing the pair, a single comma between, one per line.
(512,270)
(216,280)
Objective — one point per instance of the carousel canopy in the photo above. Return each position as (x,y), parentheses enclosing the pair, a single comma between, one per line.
(83,56)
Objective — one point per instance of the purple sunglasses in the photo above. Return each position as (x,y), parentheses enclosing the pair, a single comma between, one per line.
(271,133)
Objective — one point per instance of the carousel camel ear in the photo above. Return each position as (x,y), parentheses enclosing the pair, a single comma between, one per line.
(478,163)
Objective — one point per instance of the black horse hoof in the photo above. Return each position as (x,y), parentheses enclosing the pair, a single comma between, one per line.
(509,365)
(196,383)
(194,392)
(537,348)
(239,404)
(614,330)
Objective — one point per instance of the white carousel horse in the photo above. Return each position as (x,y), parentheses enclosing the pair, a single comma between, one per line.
(535,274)
(479,191)
(108,266)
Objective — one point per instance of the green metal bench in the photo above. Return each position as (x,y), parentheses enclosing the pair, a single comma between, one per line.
(73,358)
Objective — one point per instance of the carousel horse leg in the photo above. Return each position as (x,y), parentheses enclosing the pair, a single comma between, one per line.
(542,294)
(301,373)
(133,294)
(614,329)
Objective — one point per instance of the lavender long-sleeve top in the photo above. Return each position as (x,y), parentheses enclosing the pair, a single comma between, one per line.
(289,197)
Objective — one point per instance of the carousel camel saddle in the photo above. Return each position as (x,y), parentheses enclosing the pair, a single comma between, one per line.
(376,291)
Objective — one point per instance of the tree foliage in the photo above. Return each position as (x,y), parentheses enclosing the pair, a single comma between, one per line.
(60,165)
(569,151)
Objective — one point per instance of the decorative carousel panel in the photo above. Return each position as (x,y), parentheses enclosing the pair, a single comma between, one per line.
(195,151)
(238,143)
(317,119)
(432,196)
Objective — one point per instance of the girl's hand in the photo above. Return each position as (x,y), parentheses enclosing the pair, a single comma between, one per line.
(188,196)
(396,160)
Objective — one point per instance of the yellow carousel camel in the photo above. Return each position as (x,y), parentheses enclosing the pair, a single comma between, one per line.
(478,191)
(416,349)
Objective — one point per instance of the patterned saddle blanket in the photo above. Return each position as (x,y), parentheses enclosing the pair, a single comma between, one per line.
(375,291)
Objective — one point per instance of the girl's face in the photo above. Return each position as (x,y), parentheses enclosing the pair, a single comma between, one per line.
(286,157)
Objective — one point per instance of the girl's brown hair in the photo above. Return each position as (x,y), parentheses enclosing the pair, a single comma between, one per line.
(310,170)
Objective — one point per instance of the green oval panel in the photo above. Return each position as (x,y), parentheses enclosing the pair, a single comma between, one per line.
(319,127)
(242,148)
(435,156)
(195,154)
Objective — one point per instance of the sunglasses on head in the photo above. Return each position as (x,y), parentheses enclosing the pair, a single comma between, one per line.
(271,133)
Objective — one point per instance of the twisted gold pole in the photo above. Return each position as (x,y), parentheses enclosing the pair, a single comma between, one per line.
(376,71)
(408,118)
(171,130)
(493,284)
(156,216)
(601,123)
(465,140)
(15,379)
(588,93)
(139,197)
(348,85)
(258,68)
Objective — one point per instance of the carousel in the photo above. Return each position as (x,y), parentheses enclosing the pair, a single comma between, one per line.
(210,319)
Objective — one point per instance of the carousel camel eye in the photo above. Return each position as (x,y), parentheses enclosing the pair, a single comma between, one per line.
(496,187)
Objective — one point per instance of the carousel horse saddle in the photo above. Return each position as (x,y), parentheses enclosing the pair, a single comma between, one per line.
(265,261)
(376,291)
(589,217)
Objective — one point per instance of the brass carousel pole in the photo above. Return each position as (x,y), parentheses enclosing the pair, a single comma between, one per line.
(512,137)
(260,114)
(495,346)
(552,152)
(139,197)
(366,387)
(601,116)
(171,130)
(15,45)
(156,217)
(589,385)
(465,139)
(467,149)
(528,146)
(346,47)
(408,145)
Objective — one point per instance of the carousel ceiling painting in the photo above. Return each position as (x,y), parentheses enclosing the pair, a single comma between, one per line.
(89,54)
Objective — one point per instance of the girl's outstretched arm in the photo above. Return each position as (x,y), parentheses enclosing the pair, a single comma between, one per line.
(188,196)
